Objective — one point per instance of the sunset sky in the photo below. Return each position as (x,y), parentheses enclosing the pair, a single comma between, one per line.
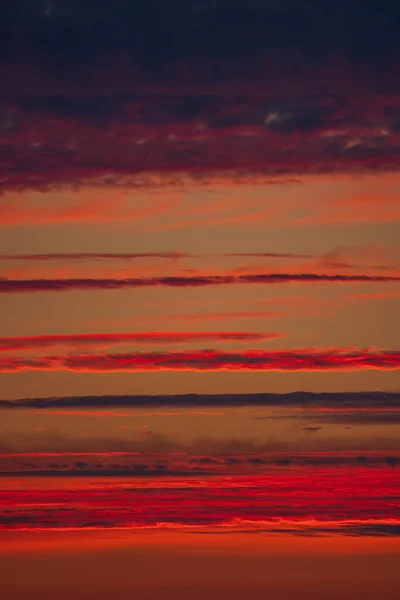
(199,298)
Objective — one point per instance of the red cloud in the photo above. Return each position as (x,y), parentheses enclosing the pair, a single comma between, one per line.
(101,340)
(315,359)
(308,497)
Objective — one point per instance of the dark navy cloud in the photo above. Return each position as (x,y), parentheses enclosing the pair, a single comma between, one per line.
(373,400)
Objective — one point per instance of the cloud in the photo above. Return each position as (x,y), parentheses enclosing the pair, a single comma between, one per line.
(101,340)
(223,155)
(311,429)
(109,464)
(356,417)
(50,285)
(95,256)
(137,138)
(302,400)
(123,32)
(220,117)
(307,499)
(59,256)
(93,266)
(315,359)
(100,256)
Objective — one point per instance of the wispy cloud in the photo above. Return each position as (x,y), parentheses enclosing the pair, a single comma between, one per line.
(101,340)
(94,256)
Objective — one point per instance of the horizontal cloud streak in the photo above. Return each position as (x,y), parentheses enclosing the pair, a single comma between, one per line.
(50,285)
(88,256)
(137,463)
(100,340)
(361,417)
(302,359)
(312,401)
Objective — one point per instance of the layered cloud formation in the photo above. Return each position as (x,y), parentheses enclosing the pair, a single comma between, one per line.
(271,501)
(59,140)
(211,128)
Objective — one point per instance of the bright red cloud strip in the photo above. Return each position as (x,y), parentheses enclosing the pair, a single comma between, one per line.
(315,359)
(101,340)
(303,495)
(52,285)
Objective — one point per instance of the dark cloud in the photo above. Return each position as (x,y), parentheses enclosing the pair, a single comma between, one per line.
(255,460)
(138,139)
(153,37)
(197,88)
(53,285)
(382,529)
(298,116)
(367,529)
(307,400)
(361,417)
(195,466)
(393,461)
(336,415)
(187,463)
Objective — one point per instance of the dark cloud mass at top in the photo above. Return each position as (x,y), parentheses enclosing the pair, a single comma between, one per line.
(153,34)
(95,91)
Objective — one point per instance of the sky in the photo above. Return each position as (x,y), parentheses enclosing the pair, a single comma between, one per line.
(199,295)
